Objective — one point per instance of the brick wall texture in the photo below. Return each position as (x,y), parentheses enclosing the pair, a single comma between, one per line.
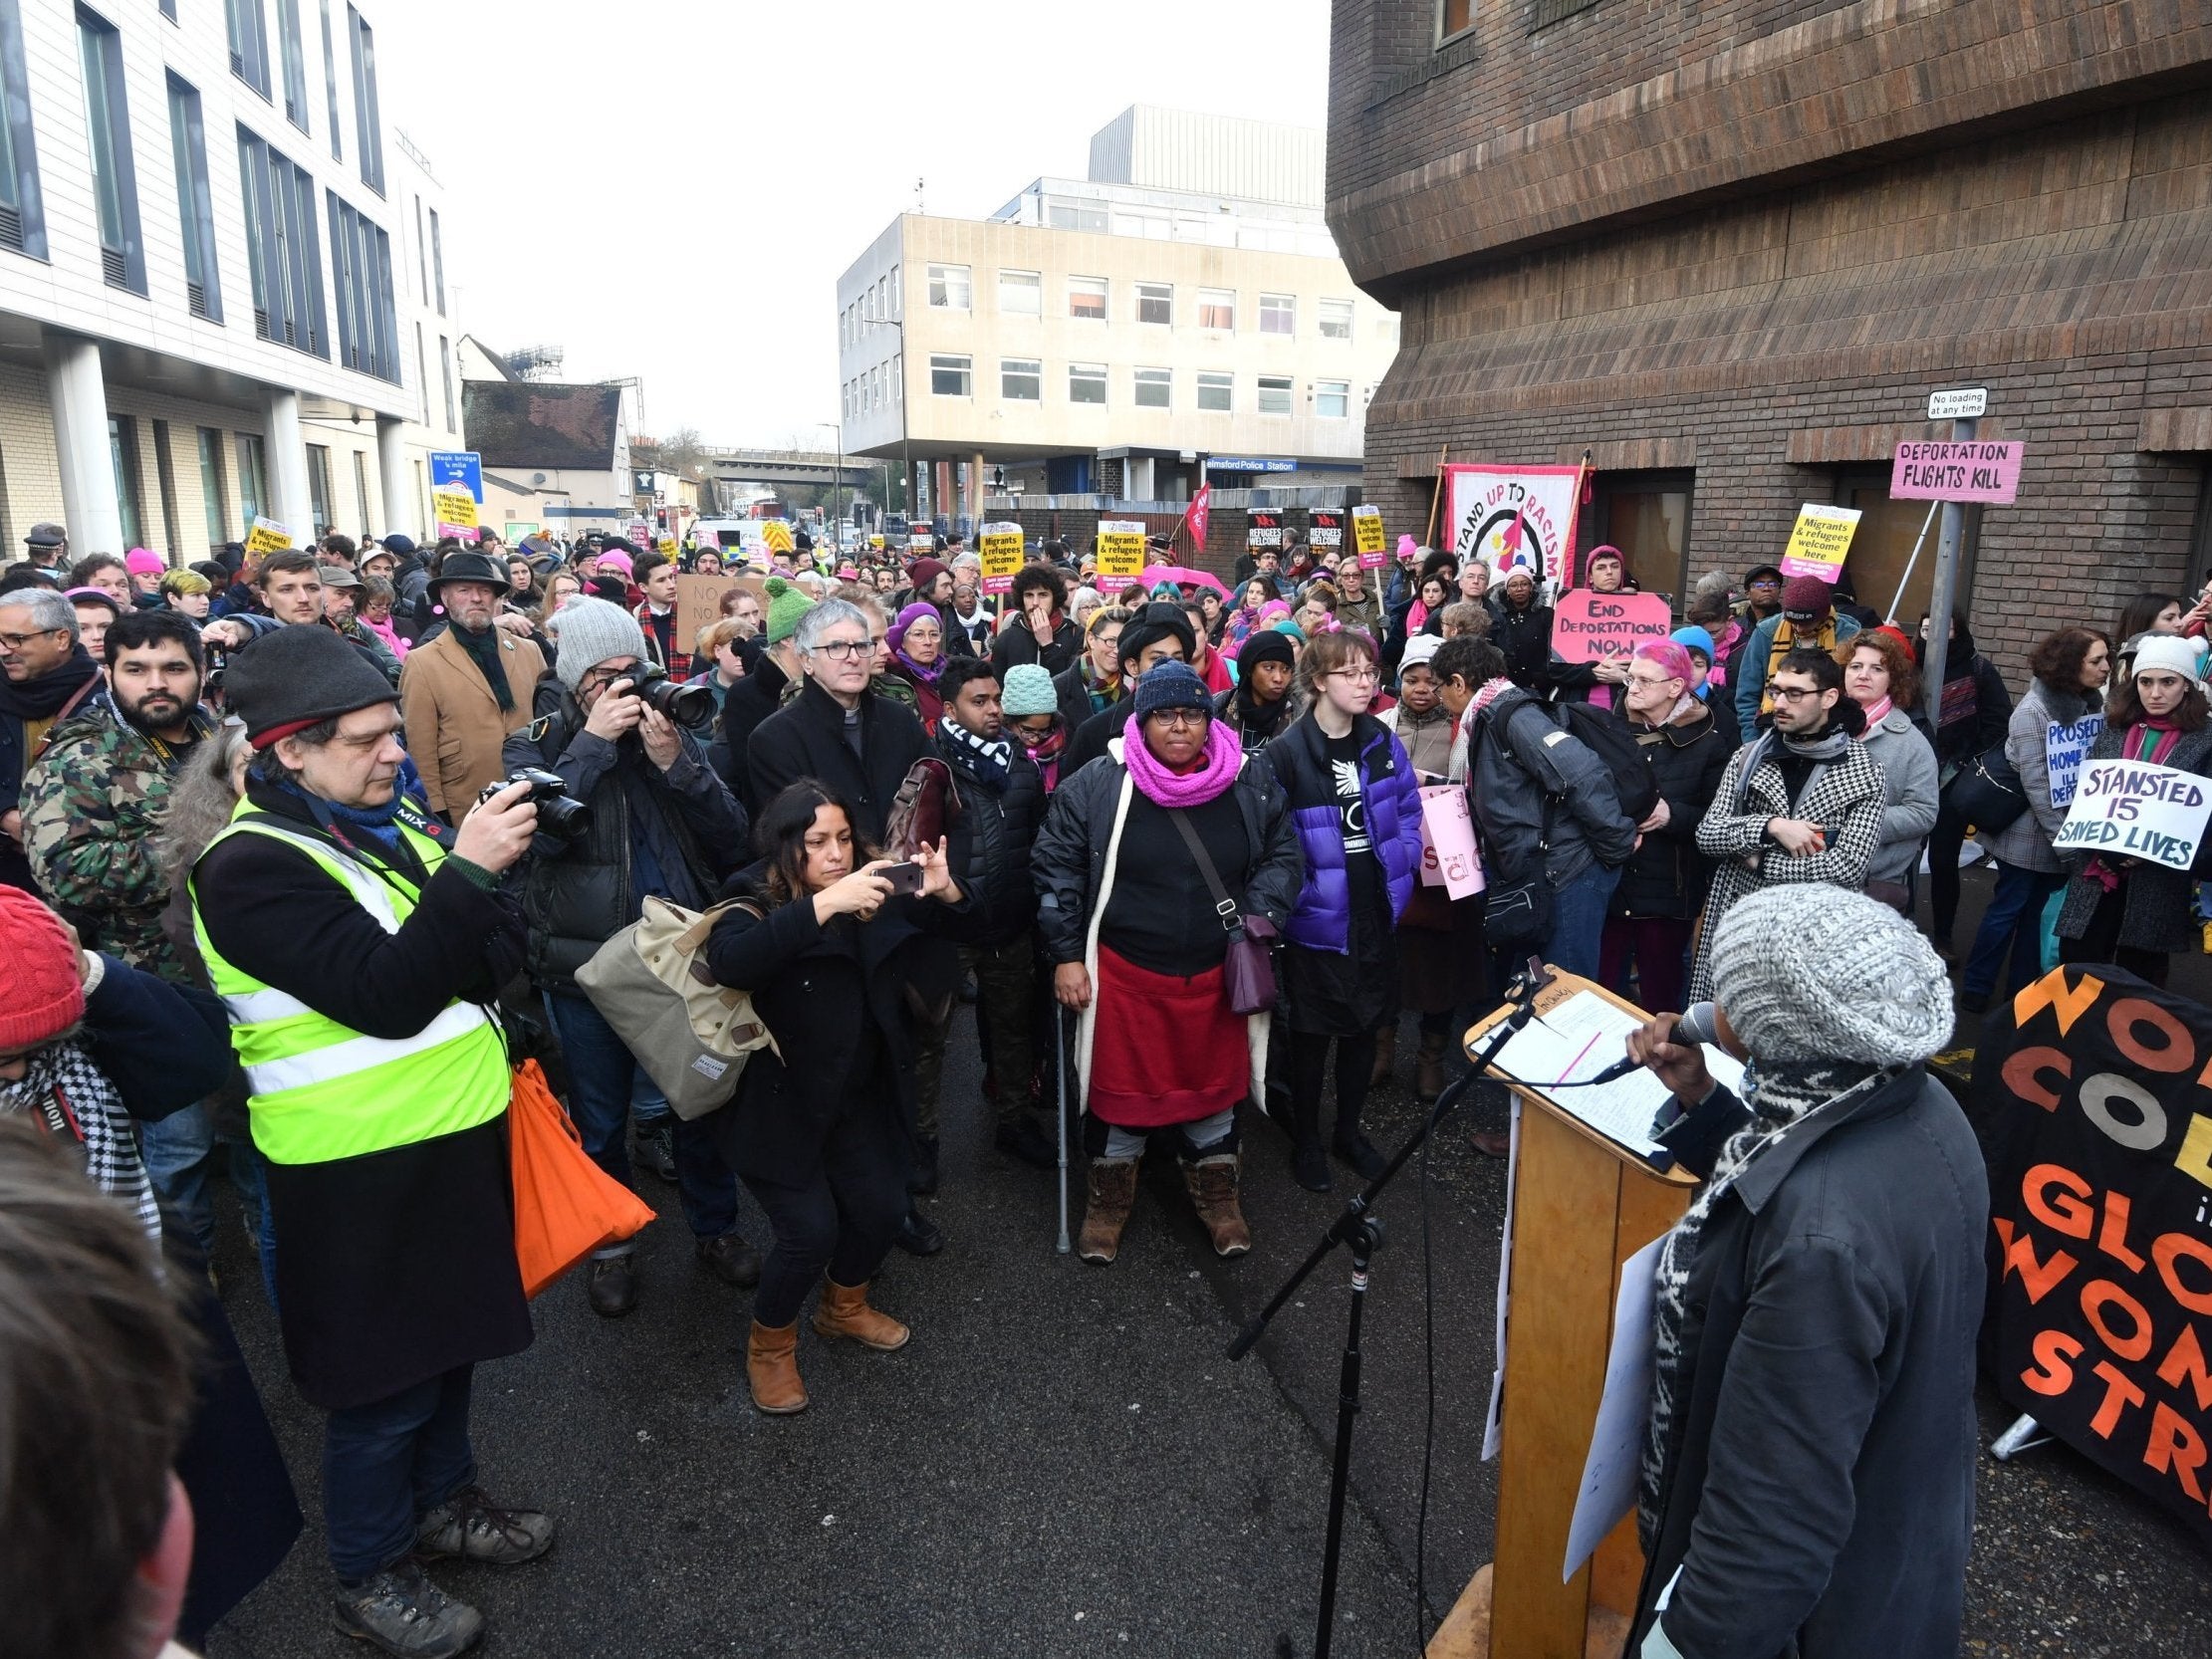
(1748,239)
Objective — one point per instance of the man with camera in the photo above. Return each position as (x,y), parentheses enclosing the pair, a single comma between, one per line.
(357,942)
(622,738)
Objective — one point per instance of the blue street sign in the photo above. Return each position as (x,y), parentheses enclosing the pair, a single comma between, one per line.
(1250,463)
(464,467)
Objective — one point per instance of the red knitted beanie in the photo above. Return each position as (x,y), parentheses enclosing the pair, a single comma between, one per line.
(42,986)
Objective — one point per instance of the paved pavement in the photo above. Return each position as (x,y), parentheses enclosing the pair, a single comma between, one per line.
(1063,1462)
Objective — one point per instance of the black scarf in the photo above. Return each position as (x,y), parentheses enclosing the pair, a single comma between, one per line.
(991,758)
(483,647)
(43,698)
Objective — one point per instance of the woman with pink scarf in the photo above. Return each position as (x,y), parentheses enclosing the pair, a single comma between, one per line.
(1141,965)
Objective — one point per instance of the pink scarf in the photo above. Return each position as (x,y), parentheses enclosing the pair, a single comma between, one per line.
(1877,713)
(1224,758)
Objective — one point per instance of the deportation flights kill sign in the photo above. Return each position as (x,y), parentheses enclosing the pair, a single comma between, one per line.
(1820,540)
(1964,471)
(2134,809)
(2096,1133)
(1122,547)
(1589,627)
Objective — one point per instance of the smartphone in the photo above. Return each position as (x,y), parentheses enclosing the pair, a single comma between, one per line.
(905,878)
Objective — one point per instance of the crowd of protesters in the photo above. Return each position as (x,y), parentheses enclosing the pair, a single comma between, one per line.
(283,781)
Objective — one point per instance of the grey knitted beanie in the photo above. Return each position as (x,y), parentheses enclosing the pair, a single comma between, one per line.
(588,633)
(1808,970)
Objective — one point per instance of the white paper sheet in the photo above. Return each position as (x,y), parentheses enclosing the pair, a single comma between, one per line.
(1608,1486)
(1505,1279)
(1578,1038)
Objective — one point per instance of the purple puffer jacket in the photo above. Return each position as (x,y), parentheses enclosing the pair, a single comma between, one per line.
(1391,799)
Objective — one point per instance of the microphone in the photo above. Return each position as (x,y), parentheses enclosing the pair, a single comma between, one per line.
(1697,1025)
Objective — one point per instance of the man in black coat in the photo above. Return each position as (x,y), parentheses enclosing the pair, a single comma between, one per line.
(1002,802)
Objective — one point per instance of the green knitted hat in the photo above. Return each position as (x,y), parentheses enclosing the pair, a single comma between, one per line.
(786,605)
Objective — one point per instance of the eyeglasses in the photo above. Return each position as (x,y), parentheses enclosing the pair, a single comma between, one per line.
(1357,676)
(1765,582)
(16,641)
(1179,717)
(1635,678)
(1792,693)
(844,650)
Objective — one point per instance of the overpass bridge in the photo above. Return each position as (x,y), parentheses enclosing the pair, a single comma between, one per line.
(785,466)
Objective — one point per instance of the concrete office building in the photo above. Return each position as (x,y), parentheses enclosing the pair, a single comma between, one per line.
(1178,312)
(222,280)
(1730,249)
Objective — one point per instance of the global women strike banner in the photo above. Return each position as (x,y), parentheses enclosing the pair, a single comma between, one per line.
(2096,1122)
(1515,518)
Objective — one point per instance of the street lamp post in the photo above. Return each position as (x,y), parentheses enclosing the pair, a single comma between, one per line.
(837,489)
(905,442)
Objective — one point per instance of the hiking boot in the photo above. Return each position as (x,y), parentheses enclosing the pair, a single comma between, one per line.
(1112,1195)
(1309,1167)
(1212,1185)
(1025,1138)
(469,1525)
(1492,1143)
(403,1612)
(611,1285)
(1428,1067)
(919,1235)
(656,1150)
(772,1369)
(731,1259)
(844,1311)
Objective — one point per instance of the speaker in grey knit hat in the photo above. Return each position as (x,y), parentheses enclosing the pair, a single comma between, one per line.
(588,633)
(1810,972)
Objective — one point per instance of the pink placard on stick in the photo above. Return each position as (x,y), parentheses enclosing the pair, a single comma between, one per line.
(1967,471)
(1588,626)
(1449,858)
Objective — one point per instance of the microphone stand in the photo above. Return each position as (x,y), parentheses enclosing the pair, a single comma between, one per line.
(1360,1229)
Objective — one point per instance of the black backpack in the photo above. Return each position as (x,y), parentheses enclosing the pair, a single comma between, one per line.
(1606,735)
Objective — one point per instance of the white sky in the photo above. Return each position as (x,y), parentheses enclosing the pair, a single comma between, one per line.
(750,149)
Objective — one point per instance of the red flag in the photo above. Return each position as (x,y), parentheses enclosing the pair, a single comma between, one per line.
(1196,515)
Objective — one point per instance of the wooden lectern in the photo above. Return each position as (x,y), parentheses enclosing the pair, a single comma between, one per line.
(1582,1206)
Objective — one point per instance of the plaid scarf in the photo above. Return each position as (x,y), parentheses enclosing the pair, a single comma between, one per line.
(70,1097)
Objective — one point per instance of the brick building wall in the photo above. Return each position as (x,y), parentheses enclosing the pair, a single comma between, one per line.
(1743,243)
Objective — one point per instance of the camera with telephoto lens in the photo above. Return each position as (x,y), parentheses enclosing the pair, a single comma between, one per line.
(687,705)
(558,816)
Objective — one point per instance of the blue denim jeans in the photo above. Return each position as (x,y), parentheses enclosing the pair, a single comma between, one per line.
(1578,921)
(604,1077)
(386,1464)
(179,1151)
(2013,923)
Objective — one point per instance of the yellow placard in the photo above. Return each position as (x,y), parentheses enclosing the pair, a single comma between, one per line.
(454,507)
(1820,540)
(669,545)
(1000,551)
(776,536)
(1366,530)
(267,535)
(876,542)
(1122,547)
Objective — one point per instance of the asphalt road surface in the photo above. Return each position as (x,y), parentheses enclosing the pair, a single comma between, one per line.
(1063,1463)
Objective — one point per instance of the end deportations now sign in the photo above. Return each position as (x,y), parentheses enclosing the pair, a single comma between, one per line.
(1963,471)
(2091,1095)
(1589,627)
(2134,809)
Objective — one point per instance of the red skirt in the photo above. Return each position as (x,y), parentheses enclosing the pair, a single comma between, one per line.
(1164,1049)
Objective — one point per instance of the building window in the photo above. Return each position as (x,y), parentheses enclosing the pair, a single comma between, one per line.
(1155,303)
(165,475)
(319,486)
(294,63)
(249,43)
(1153,387)
(360,491)
(168,9)
(1335,320)
(949,377)
(330,85)
(1087,298)
(1278,314)
(1021,294)
(369,128)
(1021,380)
(22,211)
(422,372)
(360,275)
(285,255)
(1072,215)
(1213,392)
(1274,394)
(437,260)
(1087,382)
(445,373)
(898,379)
(1333,399)
(1218,308)
(948,287)
(123,454)
(211,487)
(122,262)
(1453,17)
(421,254)
(194,208)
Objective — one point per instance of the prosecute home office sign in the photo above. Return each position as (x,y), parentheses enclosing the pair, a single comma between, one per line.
(2093,1100)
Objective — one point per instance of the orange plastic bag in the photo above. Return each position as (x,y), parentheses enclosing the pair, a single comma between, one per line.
(566,1206)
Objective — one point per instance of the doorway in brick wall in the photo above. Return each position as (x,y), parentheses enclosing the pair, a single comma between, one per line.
(1646,515)
(2200,542)
(1882,548)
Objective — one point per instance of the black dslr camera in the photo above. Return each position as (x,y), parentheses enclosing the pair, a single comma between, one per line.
(687,705)
(558,816)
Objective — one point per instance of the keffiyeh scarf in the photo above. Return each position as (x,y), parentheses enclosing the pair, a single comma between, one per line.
(71,1098)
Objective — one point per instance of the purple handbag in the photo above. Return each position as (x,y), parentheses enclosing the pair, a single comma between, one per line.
(1248,970)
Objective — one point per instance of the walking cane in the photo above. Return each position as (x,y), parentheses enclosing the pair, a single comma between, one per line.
(1060,1062)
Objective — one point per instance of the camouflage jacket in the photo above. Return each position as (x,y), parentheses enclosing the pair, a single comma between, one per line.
(92,815)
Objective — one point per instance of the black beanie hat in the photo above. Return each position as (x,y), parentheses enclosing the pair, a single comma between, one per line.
(1265,645)
(297,678)
(1153,623)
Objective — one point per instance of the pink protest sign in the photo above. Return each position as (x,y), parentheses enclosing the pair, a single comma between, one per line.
(1448,857)
(1588,627)
(1968,471)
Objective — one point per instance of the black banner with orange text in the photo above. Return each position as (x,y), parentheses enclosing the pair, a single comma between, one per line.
(2092,1093)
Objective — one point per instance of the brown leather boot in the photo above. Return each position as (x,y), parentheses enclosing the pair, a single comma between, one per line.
(1386,1055)
(772,1368)
(1113,1194)
(1212,1185)
(1428,1067)
(844,1311)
